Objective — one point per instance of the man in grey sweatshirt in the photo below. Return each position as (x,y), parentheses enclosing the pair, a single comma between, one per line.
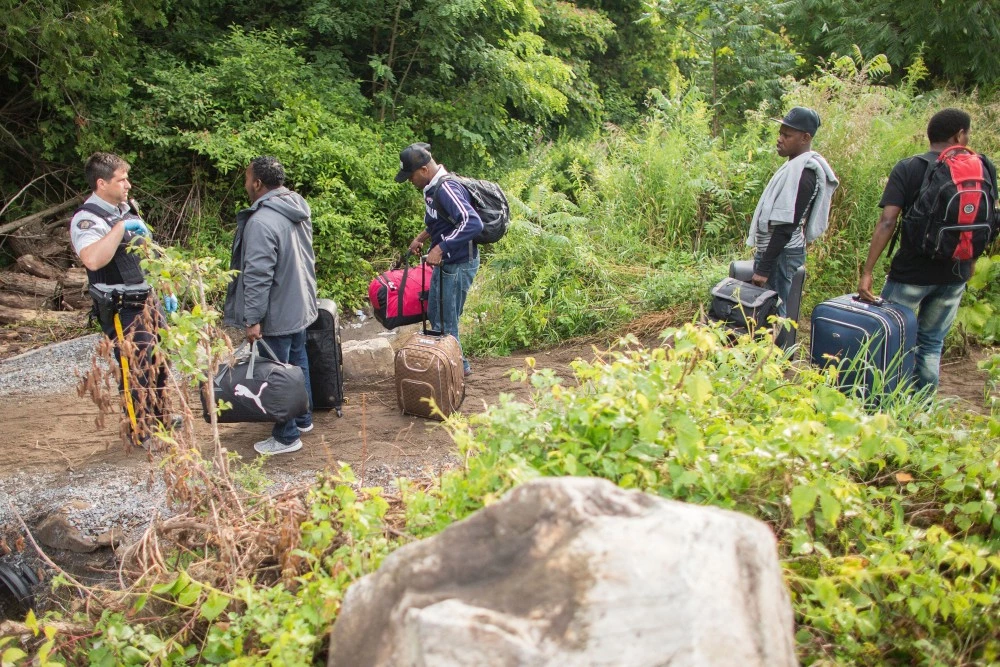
(274,295)
(794,208)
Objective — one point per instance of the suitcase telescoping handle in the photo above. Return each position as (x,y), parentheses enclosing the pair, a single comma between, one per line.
(423,289)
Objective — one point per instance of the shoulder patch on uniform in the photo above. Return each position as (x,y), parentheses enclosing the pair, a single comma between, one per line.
(85,224)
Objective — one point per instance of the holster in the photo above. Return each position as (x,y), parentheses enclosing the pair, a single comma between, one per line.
(111,299)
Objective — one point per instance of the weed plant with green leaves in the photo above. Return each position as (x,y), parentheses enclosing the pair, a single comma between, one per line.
(979,316)
(546,281)
(991,392)
(887,523)
(886,520)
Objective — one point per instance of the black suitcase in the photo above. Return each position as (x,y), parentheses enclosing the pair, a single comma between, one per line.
(326,359)
(885,333)
(259,388)
(743,270)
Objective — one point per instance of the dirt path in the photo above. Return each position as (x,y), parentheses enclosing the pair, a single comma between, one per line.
(57,434)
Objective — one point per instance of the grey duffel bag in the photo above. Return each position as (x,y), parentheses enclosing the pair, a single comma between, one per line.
(259,388)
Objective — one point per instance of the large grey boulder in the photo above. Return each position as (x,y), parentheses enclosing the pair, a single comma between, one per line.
(575,571)
(368,358)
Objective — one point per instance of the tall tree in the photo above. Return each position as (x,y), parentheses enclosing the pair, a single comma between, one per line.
(63,60)
(733,50)
(958,37)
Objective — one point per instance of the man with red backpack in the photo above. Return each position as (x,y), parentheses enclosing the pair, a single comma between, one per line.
(946,199)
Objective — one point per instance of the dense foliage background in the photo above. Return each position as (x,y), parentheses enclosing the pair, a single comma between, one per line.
(633,139)
(628,114)
(623,126)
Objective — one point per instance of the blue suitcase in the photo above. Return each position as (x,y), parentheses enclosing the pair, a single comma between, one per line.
(865,338)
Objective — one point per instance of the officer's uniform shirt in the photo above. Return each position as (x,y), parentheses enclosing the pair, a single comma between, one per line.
(87,228)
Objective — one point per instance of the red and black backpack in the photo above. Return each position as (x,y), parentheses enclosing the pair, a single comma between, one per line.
(954,217)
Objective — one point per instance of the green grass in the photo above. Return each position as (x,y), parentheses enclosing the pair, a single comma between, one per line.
(628,222)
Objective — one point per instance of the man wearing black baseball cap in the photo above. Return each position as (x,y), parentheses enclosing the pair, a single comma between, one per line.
(794,208)
(411,158)
(451,224)
(802,119)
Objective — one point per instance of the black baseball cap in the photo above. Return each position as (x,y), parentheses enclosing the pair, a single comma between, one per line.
(411,158)
(802,119)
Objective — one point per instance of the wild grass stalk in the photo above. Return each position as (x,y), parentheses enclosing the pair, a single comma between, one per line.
(630,221)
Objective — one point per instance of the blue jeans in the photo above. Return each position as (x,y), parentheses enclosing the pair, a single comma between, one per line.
(450,284)
(291,349)
(936,307)
(780,278)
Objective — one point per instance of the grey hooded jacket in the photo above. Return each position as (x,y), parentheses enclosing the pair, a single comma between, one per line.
(273,251)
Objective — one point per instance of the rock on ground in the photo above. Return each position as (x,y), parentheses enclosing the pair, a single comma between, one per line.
(573,571)
(368,358)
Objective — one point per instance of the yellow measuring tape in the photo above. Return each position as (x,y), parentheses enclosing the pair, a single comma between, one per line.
(128,393)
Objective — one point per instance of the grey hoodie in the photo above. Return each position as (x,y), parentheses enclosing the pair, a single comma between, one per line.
(273,251)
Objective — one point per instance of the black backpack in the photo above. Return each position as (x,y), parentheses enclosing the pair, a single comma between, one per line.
(741,305)
(953,217)
(490,203)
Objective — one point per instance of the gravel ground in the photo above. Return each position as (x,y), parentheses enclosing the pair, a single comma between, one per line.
(111,497)
(126,498)
(48,370)
(98,499)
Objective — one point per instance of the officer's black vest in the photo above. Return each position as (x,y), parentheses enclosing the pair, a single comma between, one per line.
(124,267)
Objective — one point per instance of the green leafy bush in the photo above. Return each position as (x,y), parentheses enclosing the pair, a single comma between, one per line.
(887,522)
(979,316)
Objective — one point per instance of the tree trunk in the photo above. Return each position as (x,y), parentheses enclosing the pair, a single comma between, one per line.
(40,216)
(24,283)
(25,301)
(715,91)
(34,266)
(18,315)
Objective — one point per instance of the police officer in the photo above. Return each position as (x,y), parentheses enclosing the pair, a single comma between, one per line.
(101,231)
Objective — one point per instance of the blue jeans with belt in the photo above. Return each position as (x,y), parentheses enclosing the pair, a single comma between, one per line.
(936,307)
(450,285)
(291,349)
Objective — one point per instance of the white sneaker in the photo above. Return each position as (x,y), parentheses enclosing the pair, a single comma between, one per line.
(306,429)
(272,446)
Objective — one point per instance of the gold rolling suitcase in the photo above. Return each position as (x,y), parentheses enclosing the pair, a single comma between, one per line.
(429,368)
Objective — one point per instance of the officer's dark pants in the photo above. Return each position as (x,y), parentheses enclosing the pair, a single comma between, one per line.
(147,379)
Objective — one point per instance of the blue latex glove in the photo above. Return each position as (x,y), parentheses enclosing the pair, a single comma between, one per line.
(137,227)
(170,303)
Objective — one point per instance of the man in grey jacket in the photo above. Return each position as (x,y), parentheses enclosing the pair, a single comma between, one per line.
(794,208)
(274,294)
